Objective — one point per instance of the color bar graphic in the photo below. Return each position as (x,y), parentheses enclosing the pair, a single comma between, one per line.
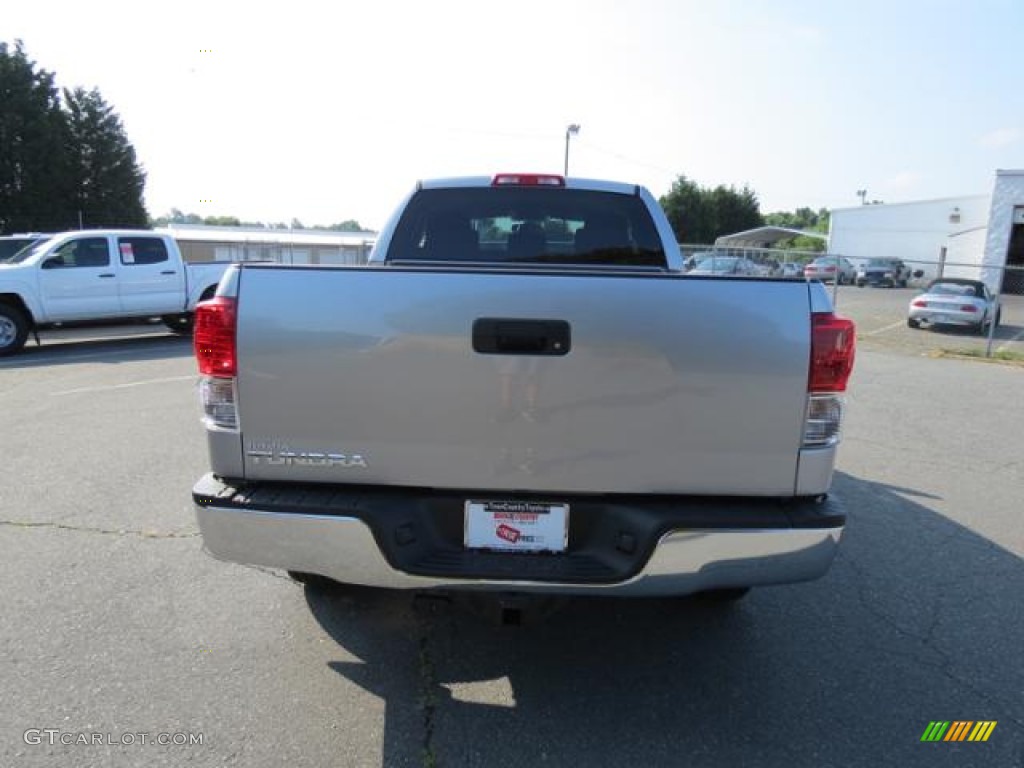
(958,730)
(982,730)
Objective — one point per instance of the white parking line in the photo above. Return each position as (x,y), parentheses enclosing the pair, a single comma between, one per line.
(59,359)
(884,329)
(126,385)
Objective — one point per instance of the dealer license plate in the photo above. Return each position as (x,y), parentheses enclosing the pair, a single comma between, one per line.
(517,526)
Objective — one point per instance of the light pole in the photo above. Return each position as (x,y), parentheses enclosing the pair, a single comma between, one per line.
(572,130)
(862,194)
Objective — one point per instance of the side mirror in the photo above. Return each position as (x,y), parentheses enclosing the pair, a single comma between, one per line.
(918,273)
(54,262)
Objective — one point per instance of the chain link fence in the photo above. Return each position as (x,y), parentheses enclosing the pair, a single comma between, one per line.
(776,262)
(842,273)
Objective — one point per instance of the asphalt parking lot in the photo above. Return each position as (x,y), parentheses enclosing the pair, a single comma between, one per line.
(114,622)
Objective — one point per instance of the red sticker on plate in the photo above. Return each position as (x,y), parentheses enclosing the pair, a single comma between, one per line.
(508,533)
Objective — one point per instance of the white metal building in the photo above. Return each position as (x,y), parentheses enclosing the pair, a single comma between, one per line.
(1004,241)
(914,231)
(287,246)
(974,236)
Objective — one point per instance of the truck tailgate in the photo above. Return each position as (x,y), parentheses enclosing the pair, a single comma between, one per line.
(667,385)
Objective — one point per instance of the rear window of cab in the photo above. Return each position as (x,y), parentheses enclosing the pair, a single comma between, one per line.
(537,225)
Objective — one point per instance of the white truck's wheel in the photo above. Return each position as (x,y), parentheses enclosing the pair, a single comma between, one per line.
(13,330)
(179,324)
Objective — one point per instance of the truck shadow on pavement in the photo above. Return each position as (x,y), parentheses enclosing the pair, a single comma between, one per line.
(128,349)
(919,619)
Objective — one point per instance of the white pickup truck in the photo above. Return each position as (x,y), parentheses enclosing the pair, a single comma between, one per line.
(100,275)
(523,392)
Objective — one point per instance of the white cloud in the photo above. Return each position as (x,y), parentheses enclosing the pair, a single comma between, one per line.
(807,34)
(1000,137)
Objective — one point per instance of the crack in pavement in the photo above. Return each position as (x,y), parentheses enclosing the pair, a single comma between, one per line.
(944,664)
(100,531)
(271,572)
(427,696)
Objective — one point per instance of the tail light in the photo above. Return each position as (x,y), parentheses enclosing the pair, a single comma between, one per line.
(216,355)
(968,308)
(833,344)
(219,398)
(823,421)
(214,337)
(833,348)
(527,180)
(919,303)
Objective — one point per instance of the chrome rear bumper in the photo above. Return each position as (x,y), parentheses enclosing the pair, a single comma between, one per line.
(683,561)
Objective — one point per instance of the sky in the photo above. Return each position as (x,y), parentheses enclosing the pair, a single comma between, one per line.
(324,112)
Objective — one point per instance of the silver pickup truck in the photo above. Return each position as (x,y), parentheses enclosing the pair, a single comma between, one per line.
(523,392)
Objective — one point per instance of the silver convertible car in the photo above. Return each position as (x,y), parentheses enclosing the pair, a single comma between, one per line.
(730,266)
(954,301)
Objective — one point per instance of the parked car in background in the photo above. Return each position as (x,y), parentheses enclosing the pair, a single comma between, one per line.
(829,268)
(729,266)
(955,301)
(791,269)
(768,266)
(887,272)
(690,262)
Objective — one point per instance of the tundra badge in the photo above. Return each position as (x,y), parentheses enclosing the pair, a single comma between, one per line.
(280,454)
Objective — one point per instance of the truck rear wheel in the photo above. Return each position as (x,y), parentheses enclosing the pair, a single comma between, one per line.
(13,330)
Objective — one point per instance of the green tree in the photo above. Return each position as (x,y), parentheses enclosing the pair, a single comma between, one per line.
(805,219)
(801,218)
(62,163)
(222,221)
(33,183)
(348,225)
(107,179)
(702,214)
(177,216)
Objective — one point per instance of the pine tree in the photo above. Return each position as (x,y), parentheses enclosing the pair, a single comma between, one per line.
(107,180)
(701,214)
(62,165)
(33,182)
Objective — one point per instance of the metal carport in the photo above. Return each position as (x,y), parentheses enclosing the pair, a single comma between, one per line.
(764,237)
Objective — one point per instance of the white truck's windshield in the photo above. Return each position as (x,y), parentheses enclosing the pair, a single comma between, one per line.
(16,250)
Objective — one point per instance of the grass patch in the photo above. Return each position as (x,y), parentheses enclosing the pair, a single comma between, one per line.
(1004,356)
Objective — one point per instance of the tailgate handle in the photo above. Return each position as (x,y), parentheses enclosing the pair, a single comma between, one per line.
(511,336)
